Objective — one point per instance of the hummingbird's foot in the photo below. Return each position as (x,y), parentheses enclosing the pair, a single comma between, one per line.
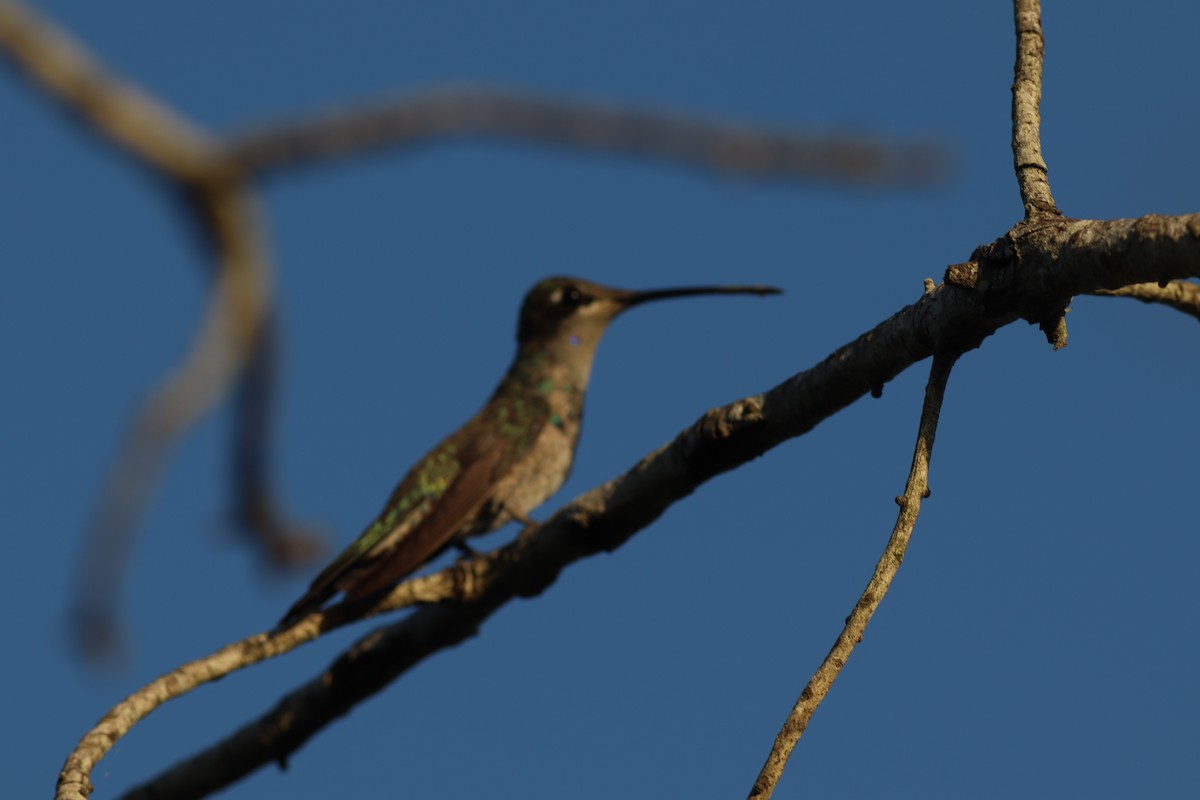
(531,526)
(465,549)
(529,523)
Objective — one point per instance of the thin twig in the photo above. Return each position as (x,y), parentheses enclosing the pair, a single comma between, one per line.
(885,571)
(1030,167)
(1183,296)
(506,114)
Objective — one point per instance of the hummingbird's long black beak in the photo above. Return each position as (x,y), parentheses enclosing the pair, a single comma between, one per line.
(631,299)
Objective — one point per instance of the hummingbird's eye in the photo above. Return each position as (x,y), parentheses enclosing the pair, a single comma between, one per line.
(571,297)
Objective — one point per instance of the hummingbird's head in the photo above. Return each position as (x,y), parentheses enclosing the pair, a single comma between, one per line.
(569,308)
(575,311)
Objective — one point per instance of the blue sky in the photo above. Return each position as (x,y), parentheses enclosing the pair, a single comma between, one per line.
(1039,640)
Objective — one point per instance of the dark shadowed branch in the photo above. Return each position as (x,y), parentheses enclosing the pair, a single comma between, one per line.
(988,293)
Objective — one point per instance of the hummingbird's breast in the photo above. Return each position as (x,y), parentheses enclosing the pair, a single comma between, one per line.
(543,469)
(546,461)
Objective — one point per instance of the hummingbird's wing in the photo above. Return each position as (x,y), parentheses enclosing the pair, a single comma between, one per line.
(425,513)
(461,501)
(417,522)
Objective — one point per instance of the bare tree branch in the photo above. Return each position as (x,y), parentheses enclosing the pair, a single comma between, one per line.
(1008,279)
(1026,116)
(1032,273)
(507,114)
(915,490)
(1182,296)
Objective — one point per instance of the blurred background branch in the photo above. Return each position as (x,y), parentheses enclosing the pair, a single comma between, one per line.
(504,114)
(237,341)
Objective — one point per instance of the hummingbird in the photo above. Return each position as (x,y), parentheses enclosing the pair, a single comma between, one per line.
(507,459)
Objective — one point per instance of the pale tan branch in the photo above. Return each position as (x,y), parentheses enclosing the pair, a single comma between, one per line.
(981,296)
(1183,296)
(1031,169)
(135,122)
(889,563)
(74,780)
(506,114)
